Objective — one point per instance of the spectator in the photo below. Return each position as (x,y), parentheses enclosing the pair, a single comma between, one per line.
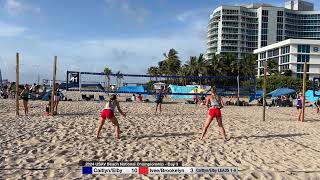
(33,88)
(25,97)
(133,98)
(12,90)
(139,98)
(203,100)
(48,107)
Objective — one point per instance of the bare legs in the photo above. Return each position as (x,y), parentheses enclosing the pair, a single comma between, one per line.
(25,105)
(55,106)
(221,129)
(299,114)
(100,126)
(317,109)
(158,105)
(114,121)
(207,124)
(117,128)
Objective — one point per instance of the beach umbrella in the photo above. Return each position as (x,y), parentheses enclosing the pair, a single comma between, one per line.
(281,91)
(310,96)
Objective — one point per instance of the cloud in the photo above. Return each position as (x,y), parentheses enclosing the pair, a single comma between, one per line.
(17,7)
(129,55)
(138,14)
(9,30)
(196,21)
(190,15)
(183,17)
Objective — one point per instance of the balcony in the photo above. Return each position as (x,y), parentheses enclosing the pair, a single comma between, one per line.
(228,44)
(212,35)
(214,46)
(212,40)
(212,28)
(230,32)
(211,52)
(213,23)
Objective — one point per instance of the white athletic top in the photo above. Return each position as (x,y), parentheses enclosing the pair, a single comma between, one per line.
(215,103)
(111,105)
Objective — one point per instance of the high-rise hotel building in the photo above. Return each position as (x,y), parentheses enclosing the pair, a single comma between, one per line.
(240,30)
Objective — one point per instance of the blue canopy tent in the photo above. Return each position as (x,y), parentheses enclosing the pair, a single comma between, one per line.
(181,89)
(310,96)
(281,91)
(46,96)
(258,95)
(131,89)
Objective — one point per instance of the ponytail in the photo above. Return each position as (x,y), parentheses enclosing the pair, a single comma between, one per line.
(112,98)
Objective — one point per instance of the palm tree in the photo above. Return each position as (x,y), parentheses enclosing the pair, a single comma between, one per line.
(272,67)
(216,66)
(287,73)
(163,68)
(230,65)
(198,66)
(248,65)
(172,64)
(184,72)
(193,66)
(153,71)
(107,72)
(119,77)
(202,66)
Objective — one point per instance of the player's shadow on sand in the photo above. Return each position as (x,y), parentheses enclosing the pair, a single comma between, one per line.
(165,135)
(272,136)
(75,114)
(311,120)
(285,136)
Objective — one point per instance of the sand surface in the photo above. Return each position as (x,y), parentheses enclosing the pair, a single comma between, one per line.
(51,147)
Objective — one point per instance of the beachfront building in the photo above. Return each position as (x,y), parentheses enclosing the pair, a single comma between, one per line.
(291,54)
(239,30)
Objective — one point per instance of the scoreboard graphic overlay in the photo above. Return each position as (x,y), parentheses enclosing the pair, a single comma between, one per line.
(151,167)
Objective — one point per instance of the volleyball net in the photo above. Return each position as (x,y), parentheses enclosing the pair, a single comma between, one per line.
(146,84)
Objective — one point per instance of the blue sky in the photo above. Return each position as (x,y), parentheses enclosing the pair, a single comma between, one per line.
(86,35)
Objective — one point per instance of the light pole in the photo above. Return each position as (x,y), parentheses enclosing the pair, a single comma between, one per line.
(37,66)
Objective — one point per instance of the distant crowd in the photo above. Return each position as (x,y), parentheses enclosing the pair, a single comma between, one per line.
(35,91)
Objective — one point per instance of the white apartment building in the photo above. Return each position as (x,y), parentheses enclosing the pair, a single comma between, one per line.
(240,30)
(291,54)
